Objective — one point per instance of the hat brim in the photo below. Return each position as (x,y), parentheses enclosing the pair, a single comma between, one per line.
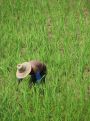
(26,72)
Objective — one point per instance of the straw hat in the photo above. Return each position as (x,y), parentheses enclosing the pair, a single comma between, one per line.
(23,70)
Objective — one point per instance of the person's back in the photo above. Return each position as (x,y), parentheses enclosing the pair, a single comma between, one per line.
(37,66)
(38,70)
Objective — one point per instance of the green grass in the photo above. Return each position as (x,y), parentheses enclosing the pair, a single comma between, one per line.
(57,32)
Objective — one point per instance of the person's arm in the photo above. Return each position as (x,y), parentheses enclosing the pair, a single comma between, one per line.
(38,75)
(19,80)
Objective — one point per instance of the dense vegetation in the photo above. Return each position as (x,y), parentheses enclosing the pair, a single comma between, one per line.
(57,32)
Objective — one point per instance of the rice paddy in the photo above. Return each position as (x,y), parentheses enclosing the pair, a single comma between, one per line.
(56,32)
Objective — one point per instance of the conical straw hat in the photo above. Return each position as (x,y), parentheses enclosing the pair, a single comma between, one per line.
(23,70)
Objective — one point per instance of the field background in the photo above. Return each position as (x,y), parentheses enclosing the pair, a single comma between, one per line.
(57,32)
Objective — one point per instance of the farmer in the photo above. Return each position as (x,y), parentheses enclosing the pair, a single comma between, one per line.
(36,69)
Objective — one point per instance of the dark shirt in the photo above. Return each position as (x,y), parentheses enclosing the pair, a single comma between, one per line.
(37,66)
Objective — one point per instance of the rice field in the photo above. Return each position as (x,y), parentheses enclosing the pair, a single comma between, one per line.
(56,32)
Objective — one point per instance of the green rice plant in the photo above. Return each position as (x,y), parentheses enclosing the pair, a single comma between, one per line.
(57,33)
